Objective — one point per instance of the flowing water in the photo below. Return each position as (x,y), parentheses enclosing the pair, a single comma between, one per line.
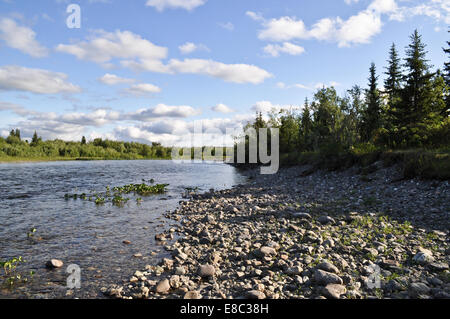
(83,233)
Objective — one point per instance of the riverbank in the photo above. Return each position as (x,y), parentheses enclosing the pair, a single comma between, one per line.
(306,234)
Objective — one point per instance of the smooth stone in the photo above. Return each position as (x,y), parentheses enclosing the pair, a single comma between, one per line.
(192,295)
(324,278)
(206,271)
(163,286)
(54,263)
(334,291)
(327,266)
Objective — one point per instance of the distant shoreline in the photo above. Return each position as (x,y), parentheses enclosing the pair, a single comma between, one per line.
(41,160)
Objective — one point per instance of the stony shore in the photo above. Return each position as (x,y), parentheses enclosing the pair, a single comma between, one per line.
(359,233)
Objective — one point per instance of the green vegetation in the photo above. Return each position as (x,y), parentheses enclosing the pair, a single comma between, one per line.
(10,274)
(13,148)
(407,122)
(116,198)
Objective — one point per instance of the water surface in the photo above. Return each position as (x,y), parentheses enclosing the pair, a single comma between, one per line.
(80,232)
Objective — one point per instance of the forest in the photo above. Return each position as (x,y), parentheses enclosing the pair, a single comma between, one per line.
(405,118)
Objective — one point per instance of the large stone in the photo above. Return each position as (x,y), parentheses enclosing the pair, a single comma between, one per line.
(327,266)
(266,251)
(192,295)
(418,289)
(54,263)
(325,220)
(206,271)
(423,256)
(334,291)
(324,278)
(163,286)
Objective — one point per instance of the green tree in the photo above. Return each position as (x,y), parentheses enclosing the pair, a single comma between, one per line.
(35,140)
(371,118)
(447,76)
(415,105)
(83,140)
(305,129)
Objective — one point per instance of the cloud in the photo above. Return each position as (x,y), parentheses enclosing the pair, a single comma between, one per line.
(222,108)
(190,47)
(161,5)
(357,29)
(312,87)
(287,47)
(162,110)
(112,79)
(267,107)
(17,78)
(139,54)
(143,88)
(351,1)
(21,38)
(227,26)
(126,46)
(237,73)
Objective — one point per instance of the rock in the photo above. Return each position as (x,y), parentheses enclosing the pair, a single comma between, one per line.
(438,266)
(255,294)
(329,267)
(180,271)
(54,263)
(371,251)
(297,270)
(334,291)
(192,295)
(206,271)
(160,237)
(163,287)
(127,242)
(324,278)
(266,251)
(138,255)
(325,220)
(423,256)
(418,289)
(302,215)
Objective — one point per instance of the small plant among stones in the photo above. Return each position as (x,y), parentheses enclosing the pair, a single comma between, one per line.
(10,274)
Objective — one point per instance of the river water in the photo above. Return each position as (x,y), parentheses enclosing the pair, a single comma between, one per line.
(83,233)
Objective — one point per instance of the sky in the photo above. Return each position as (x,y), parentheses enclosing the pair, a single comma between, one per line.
(155,70)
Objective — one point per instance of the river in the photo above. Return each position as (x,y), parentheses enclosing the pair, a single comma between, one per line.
(83,233)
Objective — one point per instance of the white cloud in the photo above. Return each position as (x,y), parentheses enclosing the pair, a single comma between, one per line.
(267,107)
(21,38)
(237,73)
(351,1)
(190,47)
(255,15)
(126,46)
(112,79)
(357,29)
(222,108)
(143,88)
(17,78)
(161,5)
(287,47)
(139,54)
(162,110)
(319,85)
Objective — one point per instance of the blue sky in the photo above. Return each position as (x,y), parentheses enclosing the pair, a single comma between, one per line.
(146,70)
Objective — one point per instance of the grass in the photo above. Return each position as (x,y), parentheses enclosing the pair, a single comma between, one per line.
(421,163)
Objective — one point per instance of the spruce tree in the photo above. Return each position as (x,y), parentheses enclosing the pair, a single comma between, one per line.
(371,120)
(415,107)
(83,140)
(306,126)
(392,84)
(35,139)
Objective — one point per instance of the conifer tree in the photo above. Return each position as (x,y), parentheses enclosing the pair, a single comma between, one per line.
(371,119)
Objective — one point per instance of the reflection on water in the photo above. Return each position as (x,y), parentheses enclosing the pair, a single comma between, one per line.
(80,232)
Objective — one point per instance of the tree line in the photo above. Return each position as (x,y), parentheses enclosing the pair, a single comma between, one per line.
(410,111)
